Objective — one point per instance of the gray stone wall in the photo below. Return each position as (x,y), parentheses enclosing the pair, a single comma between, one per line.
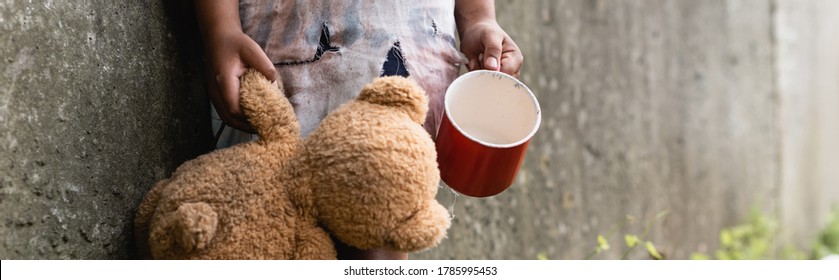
(99,100)
(697,109)
(648,106)
(808,84)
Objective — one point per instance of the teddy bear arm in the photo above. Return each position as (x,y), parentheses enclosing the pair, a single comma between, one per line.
(423,230)
(314,244)
(267,109)
(191,227)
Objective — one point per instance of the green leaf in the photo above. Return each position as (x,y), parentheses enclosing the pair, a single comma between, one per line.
(631,240)
(726,240)
(653,251)
(662,214)
(542,256)
(602,243)
(699,256)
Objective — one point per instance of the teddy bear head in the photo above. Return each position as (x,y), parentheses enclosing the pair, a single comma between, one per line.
(373,170)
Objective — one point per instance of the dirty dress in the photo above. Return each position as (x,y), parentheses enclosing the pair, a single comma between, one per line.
(326,51)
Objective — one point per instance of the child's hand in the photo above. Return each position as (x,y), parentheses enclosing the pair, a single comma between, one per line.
(229,51)
(483,42)
(228,56)
(487,46)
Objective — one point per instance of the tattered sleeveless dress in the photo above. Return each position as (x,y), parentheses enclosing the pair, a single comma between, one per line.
(326,51)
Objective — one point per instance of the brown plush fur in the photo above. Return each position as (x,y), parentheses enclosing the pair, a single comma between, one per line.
(368,174)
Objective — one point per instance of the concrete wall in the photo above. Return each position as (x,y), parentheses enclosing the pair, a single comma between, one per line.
(808,83)
(690,107)
(702,109)
(98,101)
(649,106)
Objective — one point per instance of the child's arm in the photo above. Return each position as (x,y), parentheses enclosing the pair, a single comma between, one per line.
(483,41)
(229,51)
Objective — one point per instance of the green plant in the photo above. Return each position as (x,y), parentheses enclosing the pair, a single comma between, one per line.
(750,240)
(631,240)
(756,238)
(753,240)
(827,241)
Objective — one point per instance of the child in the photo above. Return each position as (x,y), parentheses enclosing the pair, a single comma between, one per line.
(323,52)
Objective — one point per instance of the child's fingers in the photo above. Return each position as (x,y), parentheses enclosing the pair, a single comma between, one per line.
(256,58)
(239,124)
(222,108)
(229,86)
(473,64)
(511,65)
(492,50)
(511,59)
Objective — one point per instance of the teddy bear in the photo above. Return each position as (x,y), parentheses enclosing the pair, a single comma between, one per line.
(366,176)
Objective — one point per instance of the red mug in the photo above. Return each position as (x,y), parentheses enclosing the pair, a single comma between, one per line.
(489,119)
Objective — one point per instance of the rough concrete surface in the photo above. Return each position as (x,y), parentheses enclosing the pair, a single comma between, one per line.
(808,82)
(697,109)
(648,107)
(99,100)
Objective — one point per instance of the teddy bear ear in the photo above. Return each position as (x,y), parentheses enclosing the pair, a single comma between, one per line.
(397,92)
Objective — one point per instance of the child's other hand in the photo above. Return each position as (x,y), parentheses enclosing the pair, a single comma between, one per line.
(228,56)
(487,46)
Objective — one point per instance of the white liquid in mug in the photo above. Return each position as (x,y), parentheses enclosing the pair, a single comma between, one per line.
(493,135)
(492,109)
